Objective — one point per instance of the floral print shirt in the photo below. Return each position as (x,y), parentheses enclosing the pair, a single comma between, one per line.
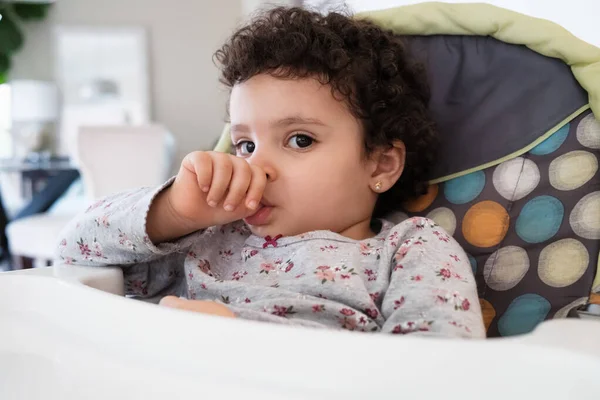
(410,278)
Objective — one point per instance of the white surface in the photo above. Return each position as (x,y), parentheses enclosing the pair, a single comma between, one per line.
(113,159)
(62,340)
(33,101)
(36,236)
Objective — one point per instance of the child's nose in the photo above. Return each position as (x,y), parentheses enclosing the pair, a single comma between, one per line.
(267,165)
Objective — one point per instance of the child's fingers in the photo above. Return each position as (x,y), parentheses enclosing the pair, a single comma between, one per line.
(257,187)
(206,307)
(222,170)
(201,163)
(238,186)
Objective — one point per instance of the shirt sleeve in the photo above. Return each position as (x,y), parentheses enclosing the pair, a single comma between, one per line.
(432,290)
(112,232)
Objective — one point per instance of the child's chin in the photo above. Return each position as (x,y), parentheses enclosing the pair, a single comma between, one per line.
(266,230)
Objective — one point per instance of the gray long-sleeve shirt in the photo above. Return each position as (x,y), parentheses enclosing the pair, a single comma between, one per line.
(411,277)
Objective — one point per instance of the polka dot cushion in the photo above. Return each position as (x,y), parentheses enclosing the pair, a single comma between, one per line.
(530,225)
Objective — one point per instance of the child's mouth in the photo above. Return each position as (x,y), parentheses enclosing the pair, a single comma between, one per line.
(260,217)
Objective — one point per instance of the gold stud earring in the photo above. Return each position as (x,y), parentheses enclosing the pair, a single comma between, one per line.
(378,186)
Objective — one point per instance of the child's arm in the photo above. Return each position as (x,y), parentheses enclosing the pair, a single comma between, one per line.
(112,232)
(432,288)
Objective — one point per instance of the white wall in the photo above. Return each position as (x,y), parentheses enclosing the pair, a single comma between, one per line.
(581,17)
(183,35)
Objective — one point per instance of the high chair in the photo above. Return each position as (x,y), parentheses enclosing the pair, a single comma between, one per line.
(517,185)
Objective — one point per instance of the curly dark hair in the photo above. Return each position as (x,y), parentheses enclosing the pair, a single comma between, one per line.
(368,66)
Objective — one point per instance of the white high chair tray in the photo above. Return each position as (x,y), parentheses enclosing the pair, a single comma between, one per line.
(60,339)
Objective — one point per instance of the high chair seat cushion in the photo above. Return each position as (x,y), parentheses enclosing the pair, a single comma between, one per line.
(517,180)
(530,227)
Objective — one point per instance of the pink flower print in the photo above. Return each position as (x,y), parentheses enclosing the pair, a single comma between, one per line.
(95,205)
(68,260)
(374,296)
(289,267)
(321,296)
(190,275)
(282,311)
(278,261)
(416,278)
(412,326)
(84,249)
(325,274)
(237,275)
(344,276)
(329,248)
(398,266)
(204,266)
(444,273)
(102,221)
(441,299)
(454,257)
(348,323)
(203,286)
(63,243)
(97,249)
(137,287)
(444,238)
(371,275)
(226,254)
(419,241)
(393,236)
(300,275)
(318,308)
(461,303)
(124,241)
(337,269)
(347,312)
(362,320)
(191,254)
(398,303)
(465,305)
(401,253)
(247,300)
(266,268)
(418,222)
(249,253)
(458,325)
(372,313)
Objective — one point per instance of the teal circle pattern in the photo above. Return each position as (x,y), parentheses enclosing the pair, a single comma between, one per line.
(540,219)
(464,189)
(523,315)
(473,262)
(552,144)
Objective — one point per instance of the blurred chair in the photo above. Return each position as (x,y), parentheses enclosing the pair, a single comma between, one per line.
(111,159)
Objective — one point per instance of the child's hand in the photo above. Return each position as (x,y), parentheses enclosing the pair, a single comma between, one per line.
(210,189)
(205,307)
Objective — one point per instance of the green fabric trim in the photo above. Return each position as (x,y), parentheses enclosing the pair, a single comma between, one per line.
(224,144)
(516,153)
(541,36)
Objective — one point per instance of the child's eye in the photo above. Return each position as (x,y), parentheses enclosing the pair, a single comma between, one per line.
(245,147)
(300,141)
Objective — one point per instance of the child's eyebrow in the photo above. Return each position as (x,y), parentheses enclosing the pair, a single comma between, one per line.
(281,123)
(298,120)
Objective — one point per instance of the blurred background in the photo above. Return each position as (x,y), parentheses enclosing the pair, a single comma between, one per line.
(89,89)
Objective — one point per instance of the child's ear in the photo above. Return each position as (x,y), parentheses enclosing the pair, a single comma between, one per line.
(389,164)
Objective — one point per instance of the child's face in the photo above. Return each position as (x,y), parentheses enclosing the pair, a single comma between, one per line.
(312,149)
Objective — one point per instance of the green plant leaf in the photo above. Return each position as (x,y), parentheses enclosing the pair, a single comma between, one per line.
(4,64)
(31,11)
(11,38)
(2,79)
